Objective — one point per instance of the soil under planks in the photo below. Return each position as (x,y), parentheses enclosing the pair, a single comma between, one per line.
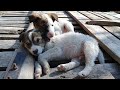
(11,36)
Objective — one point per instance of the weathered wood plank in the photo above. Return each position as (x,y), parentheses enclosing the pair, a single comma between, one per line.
(107,16)
(114,69)
(25,66)
(90,16)
(95,13)
(10,32)
(13,18)
(9,44)
(107,41)
(98,72)
(13,22)
(16,25)
(10,29)
(24,62)
(2,74)
(7,37)
(114,14)
(113,29)
(5,58)
(17,11)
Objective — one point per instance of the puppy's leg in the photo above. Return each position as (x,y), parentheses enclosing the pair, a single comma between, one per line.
(48,55)
(44,63)
(90,51)
(65,67)
(38,70)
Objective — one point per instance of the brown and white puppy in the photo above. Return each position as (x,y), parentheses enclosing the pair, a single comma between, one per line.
(49,24)
(32,41)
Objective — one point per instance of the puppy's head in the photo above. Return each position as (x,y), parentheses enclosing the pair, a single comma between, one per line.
(32,41)
(44,23)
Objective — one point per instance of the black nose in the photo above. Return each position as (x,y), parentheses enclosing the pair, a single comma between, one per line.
(35,51)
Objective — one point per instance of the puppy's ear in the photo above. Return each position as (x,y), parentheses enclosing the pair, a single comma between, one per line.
(53,16)
(32,18)
(21,37)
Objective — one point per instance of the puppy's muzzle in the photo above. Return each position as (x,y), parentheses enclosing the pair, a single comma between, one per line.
(50,35)
(35,51)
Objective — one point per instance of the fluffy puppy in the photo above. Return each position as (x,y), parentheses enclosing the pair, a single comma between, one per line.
(72,46)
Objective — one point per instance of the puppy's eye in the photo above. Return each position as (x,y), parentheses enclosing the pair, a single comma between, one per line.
(37,40)
(28,44)
(52,24)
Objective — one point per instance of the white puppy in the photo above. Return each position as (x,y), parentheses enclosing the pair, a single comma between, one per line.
(72,46)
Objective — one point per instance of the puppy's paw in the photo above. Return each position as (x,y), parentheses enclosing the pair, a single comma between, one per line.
(37,76)
(61,67)
(83,74)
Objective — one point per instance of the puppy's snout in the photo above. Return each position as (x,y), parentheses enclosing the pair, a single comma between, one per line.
(35,51)
(50,35)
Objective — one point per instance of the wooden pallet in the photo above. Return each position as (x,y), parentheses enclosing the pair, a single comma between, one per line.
(13,54)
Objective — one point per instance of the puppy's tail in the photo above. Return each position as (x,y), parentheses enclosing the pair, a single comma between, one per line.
(101,57)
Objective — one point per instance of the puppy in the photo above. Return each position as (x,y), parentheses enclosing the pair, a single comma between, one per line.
(72,46)
(32,41)
(49,24)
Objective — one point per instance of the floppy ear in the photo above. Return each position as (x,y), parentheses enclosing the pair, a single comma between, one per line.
(21,37)
(53,16)
(32,18)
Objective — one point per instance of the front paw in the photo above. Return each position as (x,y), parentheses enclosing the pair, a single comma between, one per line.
(83,74)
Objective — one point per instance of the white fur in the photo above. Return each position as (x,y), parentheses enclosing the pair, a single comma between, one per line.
(69,46)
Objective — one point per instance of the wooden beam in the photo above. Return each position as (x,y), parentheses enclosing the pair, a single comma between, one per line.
(9,44)
(24,63)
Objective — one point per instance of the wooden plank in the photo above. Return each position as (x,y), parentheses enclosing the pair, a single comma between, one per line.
(8,37)
(107,41)
(13,22)
(98,72)
(63,16)
(14,15)
(24,62)
(114,69)
(112,29)
(9,44)
(2,74)
(107,16)
(13,18)
(16,11)
(90,16)
(5,58)
(15,25)
(114,14)
(95,13)
(11,28)
(10,32)
(25,66)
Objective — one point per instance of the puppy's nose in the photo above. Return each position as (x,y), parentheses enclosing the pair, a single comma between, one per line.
(35,51)
(50,35)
